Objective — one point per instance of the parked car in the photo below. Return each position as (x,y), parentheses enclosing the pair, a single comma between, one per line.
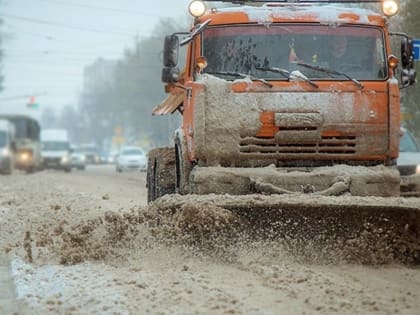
(131,158)
(408,162)
(78,158)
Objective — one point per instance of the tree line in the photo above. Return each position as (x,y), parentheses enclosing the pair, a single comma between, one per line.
(125,101)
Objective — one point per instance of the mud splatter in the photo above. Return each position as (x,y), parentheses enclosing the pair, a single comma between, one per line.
(96,256)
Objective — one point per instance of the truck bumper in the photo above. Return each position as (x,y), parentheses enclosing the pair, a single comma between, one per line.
(361,181)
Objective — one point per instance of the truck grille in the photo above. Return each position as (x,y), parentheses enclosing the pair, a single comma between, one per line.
(326,146)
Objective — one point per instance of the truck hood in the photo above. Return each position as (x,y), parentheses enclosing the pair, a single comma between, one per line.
(306,124)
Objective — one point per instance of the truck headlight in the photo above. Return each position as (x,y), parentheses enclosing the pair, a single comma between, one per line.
(197,8)
(390,7)
(24,157)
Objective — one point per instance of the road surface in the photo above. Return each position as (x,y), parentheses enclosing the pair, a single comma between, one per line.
(79,243)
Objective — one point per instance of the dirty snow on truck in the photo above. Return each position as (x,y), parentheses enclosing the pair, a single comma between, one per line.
(297,98)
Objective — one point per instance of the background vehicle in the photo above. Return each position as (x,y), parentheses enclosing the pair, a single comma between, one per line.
(263,117)
(78,158)
(131,158)
(56,149)
(91,153)
(409,159)
(7,146)
(112,157)
(409,164)
(28,144)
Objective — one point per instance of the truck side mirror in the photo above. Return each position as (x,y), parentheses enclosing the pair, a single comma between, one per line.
(407,49)
(170,75)
(408,73)
(170,51)
(408,77)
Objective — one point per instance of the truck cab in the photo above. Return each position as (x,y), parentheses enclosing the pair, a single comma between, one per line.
(293,85)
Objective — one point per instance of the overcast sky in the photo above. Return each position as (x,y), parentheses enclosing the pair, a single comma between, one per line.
(49,42)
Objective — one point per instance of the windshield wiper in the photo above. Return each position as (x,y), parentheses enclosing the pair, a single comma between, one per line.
(330,71)
(284,72)
(297,75)
(289,75)
(241,75)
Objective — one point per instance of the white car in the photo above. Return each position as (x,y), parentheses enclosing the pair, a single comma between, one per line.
(131,158)
(409,158)
(78,159)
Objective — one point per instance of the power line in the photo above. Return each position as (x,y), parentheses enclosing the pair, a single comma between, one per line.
(99,8)
(31,20)
(59,53)
(42,63)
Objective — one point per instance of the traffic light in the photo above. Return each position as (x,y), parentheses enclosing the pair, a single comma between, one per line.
(32,103)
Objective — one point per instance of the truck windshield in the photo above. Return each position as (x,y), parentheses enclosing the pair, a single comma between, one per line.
(357,51)
(26,128)
(55,146)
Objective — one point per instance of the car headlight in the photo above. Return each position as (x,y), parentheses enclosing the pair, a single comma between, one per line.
(5,152)
(65,159)
(83,158)
(418,169)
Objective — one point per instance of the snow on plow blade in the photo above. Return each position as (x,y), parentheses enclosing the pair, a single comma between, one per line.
(387,228)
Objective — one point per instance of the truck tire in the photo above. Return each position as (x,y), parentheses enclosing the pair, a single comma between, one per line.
(160,173)
(183,167)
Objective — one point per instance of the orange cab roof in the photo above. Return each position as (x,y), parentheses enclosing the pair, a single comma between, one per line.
(271,13)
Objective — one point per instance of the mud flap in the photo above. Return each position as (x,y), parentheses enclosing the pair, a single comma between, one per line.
(160,176)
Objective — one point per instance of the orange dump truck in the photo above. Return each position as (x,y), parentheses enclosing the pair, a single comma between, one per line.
(291,101)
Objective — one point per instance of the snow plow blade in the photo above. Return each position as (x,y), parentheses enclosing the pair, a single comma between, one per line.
(389,227)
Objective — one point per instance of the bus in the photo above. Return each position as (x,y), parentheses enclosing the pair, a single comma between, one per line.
(28,155)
